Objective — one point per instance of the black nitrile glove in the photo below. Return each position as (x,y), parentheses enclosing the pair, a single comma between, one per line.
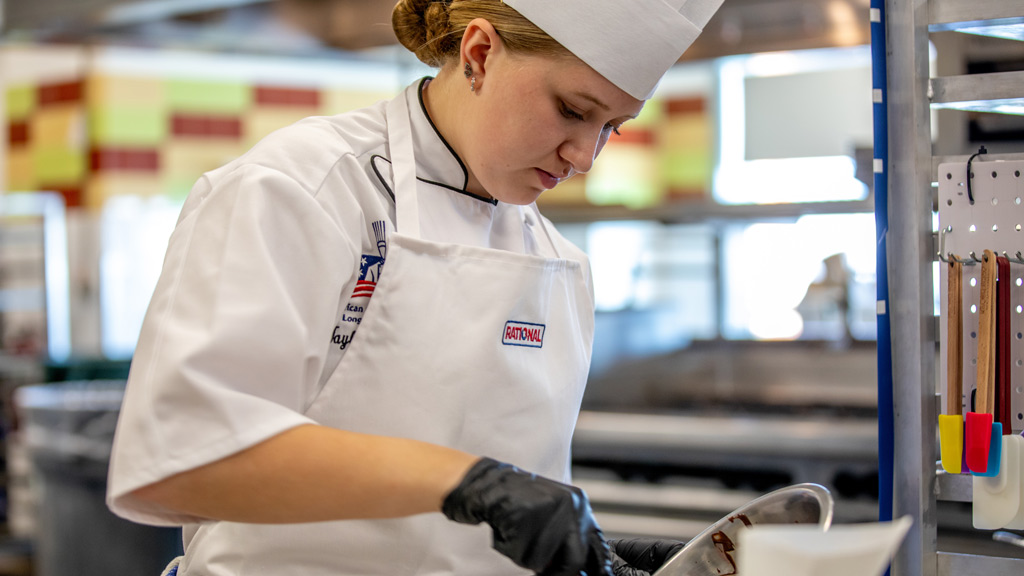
(542,525)
(641,556)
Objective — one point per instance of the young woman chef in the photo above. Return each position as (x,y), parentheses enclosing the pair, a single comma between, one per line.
(366,351)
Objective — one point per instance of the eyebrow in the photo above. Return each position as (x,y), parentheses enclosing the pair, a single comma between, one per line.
(597,102)
(593,99)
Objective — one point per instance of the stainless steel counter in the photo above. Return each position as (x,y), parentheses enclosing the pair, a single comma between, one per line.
(803,448)
(678,437)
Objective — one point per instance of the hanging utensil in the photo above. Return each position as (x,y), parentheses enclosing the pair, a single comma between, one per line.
(1016,440)
(979,428)
(1001,370)
(951,424)
(1004,362)
(997,498)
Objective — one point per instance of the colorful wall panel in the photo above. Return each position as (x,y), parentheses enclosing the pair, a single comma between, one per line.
(275,107)
(570,192)
(684,145)
(20,171)
(205,97)
(664,155)
(108,135)
(56,137)
(20,102)
(627,172)
(185,159)
(127,119)
(336,101)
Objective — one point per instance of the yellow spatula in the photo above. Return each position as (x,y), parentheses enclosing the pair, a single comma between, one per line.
(951,424)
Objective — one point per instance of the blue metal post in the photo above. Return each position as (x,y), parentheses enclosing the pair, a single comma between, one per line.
(886,432)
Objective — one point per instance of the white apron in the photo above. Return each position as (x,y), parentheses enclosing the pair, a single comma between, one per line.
(483,350)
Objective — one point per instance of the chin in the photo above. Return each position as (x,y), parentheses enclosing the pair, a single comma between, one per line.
(525,200)
(518,196)
(522,199)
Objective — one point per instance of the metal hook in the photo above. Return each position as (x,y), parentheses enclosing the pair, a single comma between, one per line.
(1015,258)
(942,242)
(975,257)
(949,257)
(965,261)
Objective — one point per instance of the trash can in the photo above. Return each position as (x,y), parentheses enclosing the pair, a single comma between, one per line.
(68,431)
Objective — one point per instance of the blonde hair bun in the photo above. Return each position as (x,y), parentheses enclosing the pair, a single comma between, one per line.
(433,29)
(423,27)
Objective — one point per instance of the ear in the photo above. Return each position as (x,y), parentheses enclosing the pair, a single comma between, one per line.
(480,45)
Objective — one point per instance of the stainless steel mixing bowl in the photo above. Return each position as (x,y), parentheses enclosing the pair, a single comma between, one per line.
(713,552)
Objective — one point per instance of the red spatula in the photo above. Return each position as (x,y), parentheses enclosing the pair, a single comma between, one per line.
(1002,364)
(998,392)
(978,428)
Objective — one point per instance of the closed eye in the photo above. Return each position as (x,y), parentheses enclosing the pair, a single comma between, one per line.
(574,115)
(570,113)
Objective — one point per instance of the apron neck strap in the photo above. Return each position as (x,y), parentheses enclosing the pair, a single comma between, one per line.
(403,166)
(547,231)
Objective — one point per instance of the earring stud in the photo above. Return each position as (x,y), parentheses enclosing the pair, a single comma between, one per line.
(468,70)
(472,84)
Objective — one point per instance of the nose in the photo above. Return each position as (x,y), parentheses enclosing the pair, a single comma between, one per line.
(581,148)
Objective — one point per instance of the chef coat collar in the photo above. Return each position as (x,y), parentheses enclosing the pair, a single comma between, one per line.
(436,161)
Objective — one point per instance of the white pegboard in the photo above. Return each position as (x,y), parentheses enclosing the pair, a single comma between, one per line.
(995,221)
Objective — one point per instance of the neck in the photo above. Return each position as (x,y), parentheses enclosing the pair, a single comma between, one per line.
(447,99)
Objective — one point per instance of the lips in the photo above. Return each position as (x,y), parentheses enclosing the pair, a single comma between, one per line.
(547,179)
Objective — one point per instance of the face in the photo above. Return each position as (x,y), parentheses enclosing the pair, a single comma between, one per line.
(536,121)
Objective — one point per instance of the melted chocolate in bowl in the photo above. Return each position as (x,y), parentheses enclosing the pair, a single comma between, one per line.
(713,551)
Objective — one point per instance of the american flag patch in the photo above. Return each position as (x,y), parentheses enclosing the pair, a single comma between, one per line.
(364,288)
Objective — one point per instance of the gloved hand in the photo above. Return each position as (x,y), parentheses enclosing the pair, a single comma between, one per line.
(542,525)
(641,556)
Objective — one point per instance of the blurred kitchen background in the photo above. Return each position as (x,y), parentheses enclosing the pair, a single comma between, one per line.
(730,229)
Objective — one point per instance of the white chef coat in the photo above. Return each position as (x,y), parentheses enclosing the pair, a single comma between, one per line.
(267,277)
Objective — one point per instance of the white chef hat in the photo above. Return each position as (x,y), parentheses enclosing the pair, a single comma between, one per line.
(632,43)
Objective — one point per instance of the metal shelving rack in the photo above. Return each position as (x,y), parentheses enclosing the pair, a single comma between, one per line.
(911,169)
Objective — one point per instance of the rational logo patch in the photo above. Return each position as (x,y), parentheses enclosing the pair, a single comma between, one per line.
(523,334)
